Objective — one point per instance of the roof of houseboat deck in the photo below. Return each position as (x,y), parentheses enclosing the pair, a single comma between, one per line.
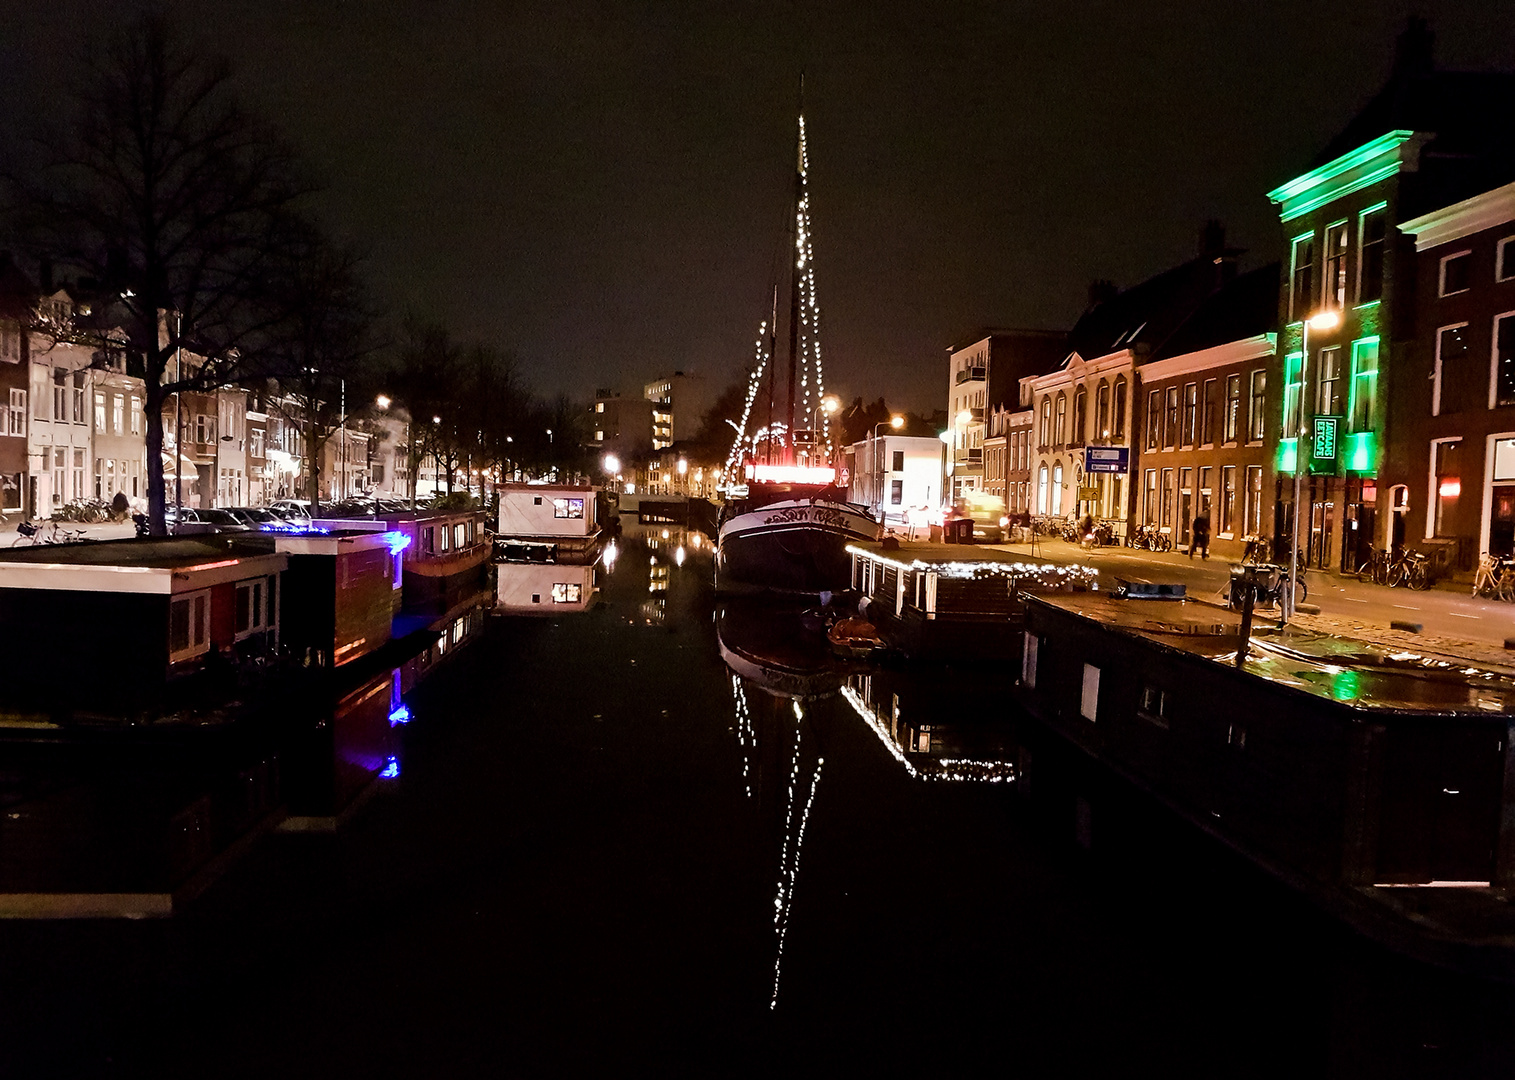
(928,554)
(164,553)
(1353,673)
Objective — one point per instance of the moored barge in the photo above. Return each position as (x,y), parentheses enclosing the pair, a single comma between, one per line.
(1380,784)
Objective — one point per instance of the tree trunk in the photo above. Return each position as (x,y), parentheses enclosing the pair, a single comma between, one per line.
(157,494)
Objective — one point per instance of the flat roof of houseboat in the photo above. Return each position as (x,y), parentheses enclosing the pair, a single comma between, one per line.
(1359,674)
(160,553)
(934,554)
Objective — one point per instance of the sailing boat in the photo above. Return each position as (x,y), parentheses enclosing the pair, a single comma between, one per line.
(790,531)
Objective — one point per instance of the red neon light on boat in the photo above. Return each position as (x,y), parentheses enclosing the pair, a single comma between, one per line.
(791,474)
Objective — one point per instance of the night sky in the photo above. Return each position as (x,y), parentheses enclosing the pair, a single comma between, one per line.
(602,187)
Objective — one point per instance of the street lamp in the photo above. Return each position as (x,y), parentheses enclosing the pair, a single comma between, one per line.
(896,421)
(1324,320)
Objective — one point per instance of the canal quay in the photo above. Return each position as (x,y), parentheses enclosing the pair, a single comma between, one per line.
(622,823)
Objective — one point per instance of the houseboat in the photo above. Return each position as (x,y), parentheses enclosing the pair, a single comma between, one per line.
(548,522)
(105,630)
(342,592)
(445,557)
(950,602)
(1379,783)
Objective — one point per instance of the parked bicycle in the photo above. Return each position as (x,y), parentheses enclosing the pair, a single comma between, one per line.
(1150,538)
(1495,577)
(1269,587)
(26,534)
(1256,551)
(1395,568)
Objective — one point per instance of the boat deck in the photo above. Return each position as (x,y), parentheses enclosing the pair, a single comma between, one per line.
(1361,674)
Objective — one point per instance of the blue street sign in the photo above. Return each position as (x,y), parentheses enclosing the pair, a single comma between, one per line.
(1107,459)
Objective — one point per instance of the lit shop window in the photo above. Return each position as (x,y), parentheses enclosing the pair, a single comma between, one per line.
(567,508)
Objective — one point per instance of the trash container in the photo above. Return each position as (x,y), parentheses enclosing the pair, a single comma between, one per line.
(959,531)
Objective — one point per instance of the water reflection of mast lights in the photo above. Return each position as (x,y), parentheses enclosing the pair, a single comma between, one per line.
(789,867)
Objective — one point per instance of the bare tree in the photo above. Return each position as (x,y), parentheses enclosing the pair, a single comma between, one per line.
(320,353)
(169,196)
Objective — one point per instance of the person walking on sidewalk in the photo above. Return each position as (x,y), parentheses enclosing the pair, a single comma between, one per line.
(1201,541)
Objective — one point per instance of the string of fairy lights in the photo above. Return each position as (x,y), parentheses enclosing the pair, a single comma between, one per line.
(809,370)
(789,866)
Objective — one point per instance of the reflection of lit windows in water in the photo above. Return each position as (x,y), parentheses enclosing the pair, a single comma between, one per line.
(564,592)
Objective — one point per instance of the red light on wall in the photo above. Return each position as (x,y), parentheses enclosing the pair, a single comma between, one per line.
(1449,488)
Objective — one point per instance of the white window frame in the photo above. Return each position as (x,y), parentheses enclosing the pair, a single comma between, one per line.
(1494,356)
(16,413)
(195,648)
(1487,503)
(1436,367)
(1504,266)
(261,623)
(1441,273)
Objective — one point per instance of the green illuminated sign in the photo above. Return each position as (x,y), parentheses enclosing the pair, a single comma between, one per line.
(1323,446)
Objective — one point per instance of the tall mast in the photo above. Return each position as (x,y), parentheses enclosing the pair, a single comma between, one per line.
(794,277)
(773,329)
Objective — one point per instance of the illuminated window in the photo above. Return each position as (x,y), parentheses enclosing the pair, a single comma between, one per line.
(1336,266)
(1254,505)
(1233,406)
(567,508)
(16,414)
(567,592)
(1191,413)
(1328,398)
(1364,383)
(1227,498)
(1445,454)
(100,413)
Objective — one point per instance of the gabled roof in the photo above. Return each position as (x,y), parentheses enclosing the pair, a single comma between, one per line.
(1243,308)
(1145,316)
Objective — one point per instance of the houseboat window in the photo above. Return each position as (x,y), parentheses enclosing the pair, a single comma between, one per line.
(1153,706)
(896,491)
(252,607)
(567,592)
(567,508)
(1028,660)
(442,536)
(188,626)
(1088,706)
(460,535)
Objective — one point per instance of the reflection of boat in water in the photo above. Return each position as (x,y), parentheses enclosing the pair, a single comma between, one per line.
(769,647)
(790,531)
(957,734)
(544,588)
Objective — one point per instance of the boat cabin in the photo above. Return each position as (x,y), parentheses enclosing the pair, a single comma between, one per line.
(342,592)
(445,555)
(562,517)
(948,602)
(104,628)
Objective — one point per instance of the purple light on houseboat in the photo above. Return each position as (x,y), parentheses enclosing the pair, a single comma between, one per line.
(400,716)
(397,542)
(391,768)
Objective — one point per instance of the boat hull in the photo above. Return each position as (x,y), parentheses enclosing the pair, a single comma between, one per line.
(795,546)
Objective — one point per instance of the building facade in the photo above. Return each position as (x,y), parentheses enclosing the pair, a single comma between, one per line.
(1449,472)
(893,474)
(984,372)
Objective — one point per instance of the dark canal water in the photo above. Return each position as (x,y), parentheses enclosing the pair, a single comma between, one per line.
(661,837)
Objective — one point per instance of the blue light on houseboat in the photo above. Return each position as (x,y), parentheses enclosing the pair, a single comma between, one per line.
(391,768)
(397,542)
(400,716)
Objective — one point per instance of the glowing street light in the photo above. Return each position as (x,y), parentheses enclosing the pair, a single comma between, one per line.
(1323,321)
(612,464)
(382,401)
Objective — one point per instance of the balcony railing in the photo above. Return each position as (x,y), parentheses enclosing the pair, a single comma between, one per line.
(972,374)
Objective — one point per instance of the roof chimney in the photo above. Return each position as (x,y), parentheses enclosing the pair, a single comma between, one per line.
(1212,240)
(1415,50)
(1100,291)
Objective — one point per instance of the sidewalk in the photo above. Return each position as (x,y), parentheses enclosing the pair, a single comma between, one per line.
(105,530)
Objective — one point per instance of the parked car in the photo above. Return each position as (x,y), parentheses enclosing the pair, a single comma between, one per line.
(255,517)
(296,511)
(200,520)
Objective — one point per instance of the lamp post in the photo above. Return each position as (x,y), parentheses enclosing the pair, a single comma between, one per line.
(896,422)
(1324,320)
